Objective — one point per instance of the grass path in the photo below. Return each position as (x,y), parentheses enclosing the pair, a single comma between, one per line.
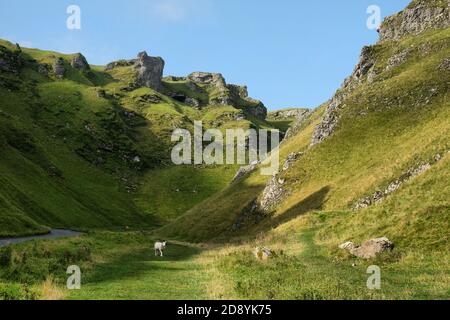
(138,274)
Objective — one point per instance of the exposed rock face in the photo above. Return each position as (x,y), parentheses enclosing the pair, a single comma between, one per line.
(329,122)
(238,91)
(10,61)
(445,65)
(369,249)
(287,114)
(291,159)
(227,94)
(186,100)
(149,71)
(299,121)
(272,194)
(223,95)
(243,171)
(399,58)
(59,68)
(258,111)
(120,63)
(207,78)
(419,16)
(43,69)
(192,86)
(379,195)
(79,62)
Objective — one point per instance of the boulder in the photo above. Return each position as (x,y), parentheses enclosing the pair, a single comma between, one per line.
(149,71)
(369,249)
(262,253)
(347,246)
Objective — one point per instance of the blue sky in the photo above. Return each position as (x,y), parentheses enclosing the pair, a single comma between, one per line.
(290,53)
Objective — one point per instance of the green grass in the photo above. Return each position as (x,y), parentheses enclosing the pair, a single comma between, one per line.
(113,266)
(168,193)
(310,274)
(68,153)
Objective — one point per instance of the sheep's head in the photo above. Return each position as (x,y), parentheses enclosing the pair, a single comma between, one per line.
(164,243)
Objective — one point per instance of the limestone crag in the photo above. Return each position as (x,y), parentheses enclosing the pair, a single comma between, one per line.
(419,16)
(149,71)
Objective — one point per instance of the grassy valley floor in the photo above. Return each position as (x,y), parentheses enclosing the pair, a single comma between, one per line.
(123,266)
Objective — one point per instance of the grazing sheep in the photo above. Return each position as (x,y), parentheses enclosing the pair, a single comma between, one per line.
(159,247)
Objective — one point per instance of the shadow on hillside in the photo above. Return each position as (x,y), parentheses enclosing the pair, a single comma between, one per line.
(136,263)
(314,201)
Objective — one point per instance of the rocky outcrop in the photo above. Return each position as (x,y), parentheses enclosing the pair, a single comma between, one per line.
(226,94)
(120,63)
(215,79)
(399,58)
(419,16)
(273,193)
(222,95)
(258,110)
(445,65)
(244,171)
(369,249)
(10,61)
(58,67)
(330,120)
(185,99)
(44,69)
(238,91)
(291,159)
(393,186)
(288,114)
(149,71)
(299,121)
(79,62)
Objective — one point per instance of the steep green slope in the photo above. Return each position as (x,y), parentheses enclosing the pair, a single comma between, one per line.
(88,147)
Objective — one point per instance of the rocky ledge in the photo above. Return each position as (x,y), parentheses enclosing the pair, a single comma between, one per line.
(419,16)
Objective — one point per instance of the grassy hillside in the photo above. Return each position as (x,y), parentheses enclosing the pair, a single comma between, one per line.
(89,149)
(386,127)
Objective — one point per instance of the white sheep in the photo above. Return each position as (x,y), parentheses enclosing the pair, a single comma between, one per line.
(159,247)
